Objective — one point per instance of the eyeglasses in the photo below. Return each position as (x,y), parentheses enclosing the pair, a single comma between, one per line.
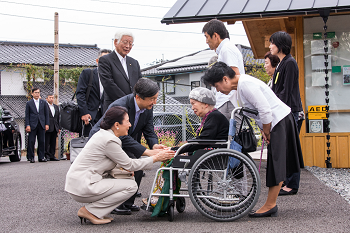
(125,42)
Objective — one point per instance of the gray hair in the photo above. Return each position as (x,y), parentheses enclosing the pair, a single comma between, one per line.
(213,60)
(119,34)
(203,95)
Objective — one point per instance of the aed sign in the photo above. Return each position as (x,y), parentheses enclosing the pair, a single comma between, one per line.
(317,112)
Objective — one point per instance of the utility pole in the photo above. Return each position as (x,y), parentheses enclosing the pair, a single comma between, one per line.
(56,62)
(56,81)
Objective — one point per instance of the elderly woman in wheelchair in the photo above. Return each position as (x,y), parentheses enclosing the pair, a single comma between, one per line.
(222,183)
(214,126)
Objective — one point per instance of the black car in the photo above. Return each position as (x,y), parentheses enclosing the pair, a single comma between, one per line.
(10,137)
(170,121)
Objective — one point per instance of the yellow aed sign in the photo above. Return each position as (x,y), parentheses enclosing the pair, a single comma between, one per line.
(317,112)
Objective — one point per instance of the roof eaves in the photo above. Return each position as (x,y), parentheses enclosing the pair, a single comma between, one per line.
(204,18)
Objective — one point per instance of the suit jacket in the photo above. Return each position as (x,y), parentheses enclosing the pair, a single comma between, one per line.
(54,125)
(33,117)
(91,106)
(101,154)
(115,82)
(286,87)
(131,142)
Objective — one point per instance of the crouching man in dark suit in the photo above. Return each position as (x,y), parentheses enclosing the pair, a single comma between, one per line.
(54,129)
(37,122)
(140,110)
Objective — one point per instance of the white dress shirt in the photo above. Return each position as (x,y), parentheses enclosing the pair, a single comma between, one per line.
(229,54)
(255,94)
(101,87)
(36,104)
(123,61)
(52,109)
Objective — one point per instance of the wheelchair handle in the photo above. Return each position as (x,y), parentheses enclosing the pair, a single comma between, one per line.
(252,111)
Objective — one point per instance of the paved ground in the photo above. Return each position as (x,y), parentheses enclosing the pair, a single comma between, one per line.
(33,200)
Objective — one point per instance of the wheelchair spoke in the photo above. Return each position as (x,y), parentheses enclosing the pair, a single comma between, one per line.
(220,192)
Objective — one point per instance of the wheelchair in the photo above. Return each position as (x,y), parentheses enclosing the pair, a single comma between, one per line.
(222,184)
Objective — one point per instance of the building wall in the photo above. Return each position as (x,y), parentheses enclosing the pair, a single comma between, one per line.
(12,82)
(182,90)
(314,145)
(20,123)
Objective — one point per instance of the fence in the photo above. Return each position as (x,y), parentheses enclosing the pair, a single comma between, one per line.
(173,124)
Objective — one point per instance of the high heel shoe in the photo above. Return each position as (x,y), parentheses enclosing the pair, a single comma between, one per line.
(84,214)
(81,220)
(270,213)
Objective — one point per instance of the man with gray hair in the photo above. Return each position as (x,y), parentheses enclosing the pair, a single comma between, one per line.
(119,72)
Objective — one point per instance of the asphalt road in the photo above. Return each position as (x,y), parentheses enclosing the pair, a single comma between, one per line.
(33,200)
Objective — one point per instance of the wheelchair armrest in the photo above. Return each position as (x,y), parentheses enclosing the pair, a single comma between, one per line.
(206,141)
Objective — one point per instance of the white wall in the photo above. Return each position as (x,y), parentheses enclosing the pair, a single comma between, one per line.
(12,82)
(182,90)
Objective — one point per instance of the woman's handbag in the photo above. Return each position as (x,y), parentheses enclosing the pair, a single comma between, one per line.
(246,137)
(120,173)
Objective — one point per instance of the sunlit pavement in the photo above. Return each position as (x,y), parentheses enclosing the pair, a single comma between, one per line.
(33,200)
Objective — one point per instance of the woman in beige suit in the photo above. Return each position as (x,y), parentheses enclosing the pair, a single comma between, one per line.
(89,178)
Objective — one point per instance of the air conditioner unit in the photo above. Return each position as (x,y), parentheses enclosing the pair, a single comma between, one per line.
(315,126)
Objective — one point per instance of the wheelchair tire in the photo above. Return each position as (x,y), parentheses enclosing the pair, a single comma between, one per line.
(220,192)
(171,213)
(180,204)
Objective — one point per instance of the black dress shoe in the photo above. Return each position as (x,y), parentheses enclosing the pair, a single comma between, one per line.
(31,160)
(54,159)
(291,192)
(270,213)
(121,210)
(138,194)
(133,207)
(42,160)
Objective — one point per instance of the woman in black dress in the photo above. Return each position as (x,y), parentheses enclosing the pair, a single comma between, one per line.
(285,84)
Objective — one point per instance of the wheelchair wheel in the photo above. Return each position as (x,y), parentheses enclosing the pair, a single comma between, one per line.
(180,204)
(224,185)
(171,213)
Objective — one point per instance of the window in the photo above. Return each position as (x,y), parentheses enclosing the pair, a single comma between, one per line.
(195,84)
(338,58)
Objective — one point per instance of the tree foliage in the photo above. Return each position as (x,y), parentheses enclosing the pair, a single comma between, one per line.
(33,73)
(258,71)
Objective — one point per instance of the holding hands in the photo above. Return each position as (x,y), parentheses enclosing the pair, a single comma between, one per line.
(163,155)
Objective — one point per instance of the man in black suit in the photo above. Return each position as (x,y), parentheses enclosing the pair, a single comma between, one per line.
(140,110)
(54,129)
(119,72)
(90,107)
(37,122)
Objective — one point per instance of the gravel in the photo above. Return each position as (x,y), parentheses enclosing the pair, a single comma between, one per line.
(336,178)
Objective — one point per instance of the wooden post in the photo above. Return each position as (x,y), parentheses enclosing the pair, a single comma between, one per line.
(56,80)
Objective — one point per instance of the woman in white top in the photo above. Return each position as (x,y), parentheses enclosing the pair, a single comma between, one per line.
(92,177)
(274,119)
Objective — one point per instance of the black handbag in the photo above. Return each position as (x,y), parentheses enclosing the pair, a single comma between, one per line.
(70,115)
(246,136)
